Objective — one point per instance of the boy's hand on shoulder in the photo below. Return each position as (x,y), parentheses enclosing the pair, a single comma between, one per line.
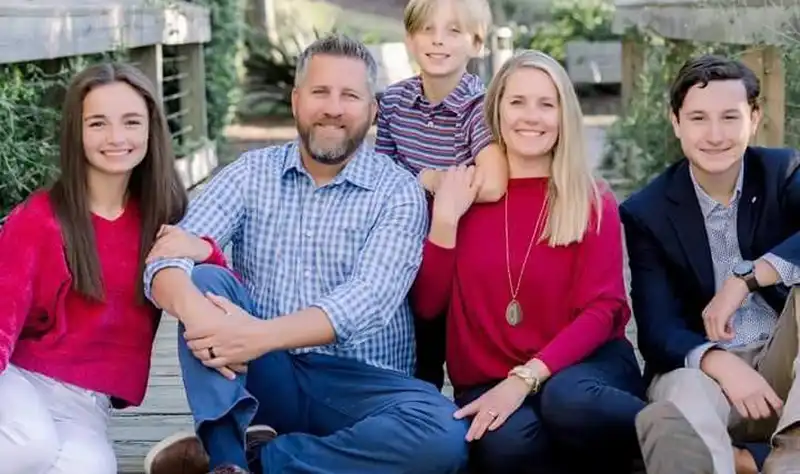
(430,179)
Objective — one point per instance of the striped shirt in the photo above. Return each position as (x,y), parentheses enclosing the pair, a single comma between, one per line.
(421,135)
(755,320)
(351,247)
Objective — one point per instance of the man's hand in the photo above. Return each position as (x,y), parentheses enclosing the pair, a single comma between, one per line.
(717,315)
(174,242)
(227,341)
(746,389)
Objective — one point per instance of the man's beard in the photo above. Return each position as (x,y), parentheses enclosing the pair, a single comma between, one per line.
(335,153)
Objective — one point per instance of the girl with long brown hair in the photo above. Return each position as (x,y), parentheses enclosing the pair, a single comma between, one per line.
(76,332)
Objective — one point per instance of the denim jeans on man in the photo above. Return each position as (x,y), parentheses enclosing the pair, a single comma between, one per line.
(333,414)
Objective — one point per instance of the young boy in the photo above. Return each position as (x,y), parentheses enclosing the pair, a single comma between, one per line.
(435,120)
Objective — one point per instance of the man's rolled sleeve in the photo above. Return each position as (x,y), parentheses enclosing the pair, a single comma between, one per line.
(384,270)
(151,269)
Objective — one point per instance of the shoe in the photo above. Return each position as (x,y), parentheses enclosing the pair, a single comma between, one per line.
(229,470)
(180,453)
(785,455)
(257,436)
(669,443)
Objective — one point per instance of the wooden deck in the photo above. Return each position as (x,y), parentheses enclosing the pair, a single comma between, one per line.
(164,410)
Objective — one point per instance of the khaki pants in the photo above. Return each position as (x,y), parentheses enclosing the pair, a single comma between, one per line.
(702,402)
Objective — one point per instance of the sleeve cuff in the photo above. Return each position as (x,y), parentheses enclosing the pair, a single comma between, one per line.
(695,356)
(789,273)
(337,316)
(152,270)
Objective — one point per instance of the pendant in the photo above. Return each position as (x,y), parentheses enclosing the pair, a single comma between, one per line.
(514,313)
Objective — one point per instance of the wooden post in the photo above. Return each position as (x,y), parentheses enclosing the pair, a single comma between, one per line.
(632,66)
(193,82)
(767,64)
(149,59)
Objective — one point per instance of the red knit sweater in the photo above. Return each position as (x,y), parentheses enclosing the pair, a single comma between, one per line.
(573,298)
(47,327)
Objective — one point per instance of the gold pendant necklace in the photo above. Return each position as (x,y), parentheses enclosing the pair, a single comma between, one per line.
(514,308)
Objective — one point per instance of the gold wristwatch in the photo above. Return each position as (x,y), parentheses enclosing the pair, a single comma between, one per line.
(528,375)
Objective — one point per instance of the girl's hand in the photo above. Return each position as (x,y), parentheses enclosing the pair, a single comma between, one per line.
(174,242)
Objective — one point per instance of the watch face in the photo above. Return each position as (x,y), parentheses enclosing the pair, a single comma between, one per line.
(743,269)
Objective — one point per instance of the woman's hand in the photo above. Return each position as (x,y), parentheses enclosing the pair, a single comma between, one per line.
(455,193)
(492,409)
(174,242)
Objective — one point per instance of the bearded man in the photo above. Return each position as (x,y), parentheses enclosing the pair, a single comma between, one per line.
(302,361)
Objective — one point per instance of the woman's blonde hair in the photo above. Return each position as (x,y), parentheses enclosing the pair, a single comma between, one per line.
(573,192)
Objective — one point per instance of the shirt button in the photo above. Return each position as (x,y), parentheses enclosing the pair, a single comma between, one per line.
(308,273)
(430,123)
(309,234)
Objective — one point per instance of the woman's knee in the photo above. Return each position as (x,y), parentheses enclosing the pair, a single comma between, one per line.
(513,447)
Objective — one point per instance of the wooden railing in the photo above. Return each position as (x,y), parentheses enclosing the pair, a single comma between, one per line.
(764,25)
(165,42)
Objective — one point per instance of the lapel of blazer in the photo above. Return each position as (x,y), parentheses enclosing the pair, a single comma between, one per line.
(687,220)
(751,204)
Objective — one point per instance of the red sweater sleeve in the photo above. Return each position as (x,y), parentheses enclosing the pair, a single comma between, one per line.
(217,256)
(431,292)
(598,295)
(19,257)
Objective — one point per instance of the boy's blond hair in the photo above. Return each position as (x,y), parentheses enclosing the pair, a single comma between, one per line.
(475,13)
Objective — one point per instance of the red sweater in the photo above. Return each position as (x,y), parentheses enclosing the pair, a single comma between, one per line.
(573,297)
(47,327)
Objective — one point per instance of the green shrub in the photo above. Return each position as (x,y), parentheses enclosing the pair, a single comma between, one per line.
(570,20)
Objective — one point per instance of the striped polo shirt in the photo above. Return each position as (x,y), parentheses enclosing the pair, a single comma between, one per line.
(418,134)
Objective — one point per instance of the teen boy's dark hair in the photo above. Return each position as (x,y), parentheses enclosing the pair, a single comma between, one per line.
(704,69)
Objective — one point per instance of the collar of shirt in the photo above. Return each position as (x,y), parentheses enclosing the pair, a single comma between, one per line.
(469,87)
(360,170)
(709,204)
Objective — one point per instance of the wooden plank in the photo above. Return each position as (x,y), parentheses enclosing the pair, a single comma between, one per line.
(193,82)
(198,166)
(150,60)
(740,22)
(50,30)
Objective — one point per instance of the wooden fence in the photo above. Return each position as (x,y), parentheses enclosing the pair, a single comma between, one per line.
(764,25)
(166,42)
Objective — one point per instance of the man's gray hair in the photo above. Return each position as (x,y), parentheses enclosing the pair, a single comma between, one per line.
(338,45)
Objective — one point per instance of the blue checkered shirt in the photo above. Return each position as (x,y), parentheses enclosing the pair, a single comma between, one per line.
(755,320)
(351,247)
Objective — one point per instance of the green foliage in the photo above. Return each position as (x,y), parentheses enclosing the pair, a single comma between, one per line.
(586,20)
(223,58)
(30,113)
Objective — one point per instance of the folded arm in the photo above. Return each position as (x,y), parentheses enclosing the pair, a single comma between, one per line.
(665,339)
(601,305)
(785,257)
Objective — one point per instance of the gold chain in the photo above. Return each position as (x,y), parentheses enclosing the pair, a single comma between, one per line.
(511,287)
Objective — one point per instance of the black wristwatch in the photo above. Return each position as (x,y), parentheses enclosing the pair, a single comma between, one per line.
(746,271)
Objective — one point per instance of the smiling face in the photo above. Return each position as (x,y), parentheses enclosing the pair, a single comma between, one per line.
(115,129)
(333,107)
(442,43)
(714,125)
(530,114)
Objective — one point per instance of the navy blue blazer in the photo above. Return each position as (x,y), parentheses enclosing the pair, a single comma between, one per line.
(672,278)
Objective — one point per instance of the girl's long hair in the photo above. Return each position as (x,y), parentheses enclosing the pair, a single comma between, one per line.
(154,183)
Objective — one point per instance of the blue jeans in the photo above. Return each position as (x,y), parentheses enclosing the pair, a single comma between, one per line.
(582,420)
(332,414)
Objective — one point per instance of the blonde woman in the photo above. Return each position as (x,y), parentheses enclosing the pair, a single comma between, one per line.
(533,290)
